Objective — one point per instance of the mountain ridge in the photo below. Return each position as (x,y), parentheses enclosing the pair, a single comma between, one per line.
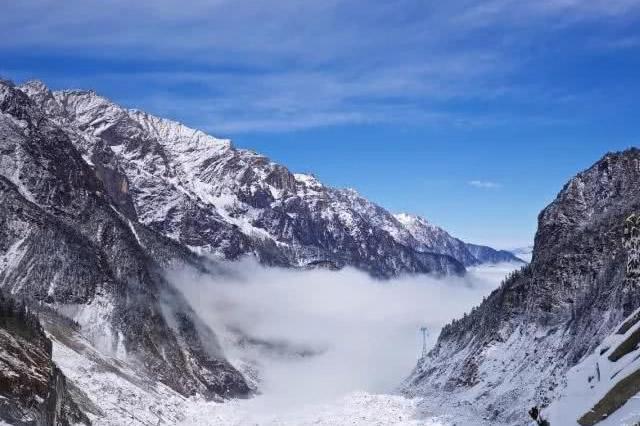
(68,241)
(204,193)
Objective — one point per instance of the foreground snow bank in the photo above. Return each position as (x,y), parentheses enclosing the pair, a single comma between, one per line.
(358,408)
(596,378)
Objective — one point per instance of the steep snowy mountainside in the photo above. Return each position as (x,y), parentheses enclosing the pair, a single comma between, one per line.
(115,391)
(66,241)
(512,352)
(602,388)
(99,129)
(205,193)
(433,238)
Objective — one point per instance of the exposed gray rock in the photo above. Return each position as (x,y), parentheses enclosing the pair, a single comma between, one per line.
(208,195)
(33,391)
(69,238)
(435,239)
(512,351)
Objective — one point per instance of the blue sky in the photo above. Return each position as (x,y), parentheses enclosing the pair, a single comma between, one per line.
(472,114)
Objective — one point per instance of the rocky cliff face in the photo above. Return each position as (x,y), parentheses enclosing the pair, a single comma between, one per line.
(602,388)
(33,391)
(204,193)
(69,237)
(513,350)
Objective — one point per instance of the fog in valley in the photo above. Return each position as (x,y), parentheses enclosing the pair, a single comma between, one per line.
(313,336)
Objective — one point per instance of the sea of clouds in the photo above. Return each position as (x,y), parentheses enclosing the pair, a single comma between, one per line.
(359,333)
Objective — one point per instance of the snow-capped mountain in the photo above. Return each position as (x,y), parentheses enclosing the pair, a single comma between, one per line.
(437,240)
(214,198)
(68,239)
(512,352)
(97,201)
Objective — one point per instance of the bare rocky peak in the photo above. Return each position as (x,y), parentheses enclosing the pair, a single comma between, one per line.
(33,390)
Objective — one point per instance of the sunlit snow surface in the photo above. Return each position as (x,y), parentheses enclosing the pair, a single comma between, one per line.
(357,408)
(592,378)
(369,344)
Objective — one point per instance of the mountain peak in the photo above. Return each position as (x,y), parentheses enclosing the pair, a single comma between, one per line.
(308,180)
(166,129)
(6,82)
(408,219)
(203,192)
(413,221)
(37,85)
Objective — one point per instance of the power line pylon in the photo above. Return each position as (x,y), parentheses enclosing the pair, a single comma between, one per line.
(425,331)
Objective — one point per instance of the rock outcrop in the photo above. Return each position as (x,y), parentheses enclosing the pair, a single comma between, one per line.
(33,391)
(512,351)
(69,238)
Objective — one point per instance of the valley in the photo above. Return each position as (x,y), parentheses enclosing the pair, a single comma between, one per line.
(180,280)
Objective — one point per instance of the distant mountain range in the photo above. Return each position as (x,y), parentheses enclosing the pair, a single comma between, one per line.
(433,238)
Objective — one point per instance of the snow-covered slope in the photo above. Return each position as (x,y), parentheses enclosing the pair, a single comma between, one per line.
(69,240)
(512,352)
(433,238)
(206,194)
(602,389)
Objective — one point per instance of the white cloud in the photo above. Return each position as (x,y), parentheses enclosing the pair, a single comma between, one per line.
(278,65)
(484,184)
(367,330)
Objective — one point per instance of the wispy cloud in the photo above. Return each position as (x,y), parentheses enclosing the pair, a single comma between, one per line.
(286,65)
(484,184)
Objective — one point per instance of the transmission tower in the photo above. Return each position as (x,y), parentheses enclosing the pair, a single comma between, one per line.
(424,341)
